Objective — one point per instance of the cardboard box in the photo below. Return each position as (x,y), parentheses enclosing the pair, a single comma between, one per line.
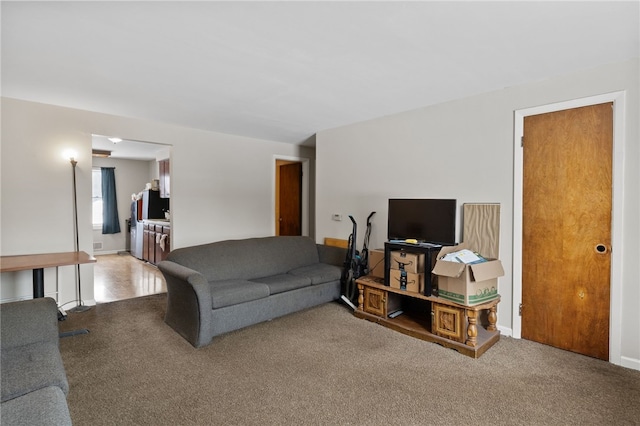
(415,282)
(412,262)
(467,284)
(376,263)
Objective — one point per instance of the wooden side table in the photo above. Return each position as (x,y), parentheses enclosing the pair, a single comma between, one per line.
(429,318)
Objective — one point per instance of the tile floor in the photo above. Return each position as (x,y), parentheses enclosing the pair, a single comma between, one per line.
(122,276)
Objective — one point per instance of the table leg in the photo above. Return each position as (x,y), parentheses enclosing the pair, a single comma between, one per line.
(38,283)
(493,318)
(472,328)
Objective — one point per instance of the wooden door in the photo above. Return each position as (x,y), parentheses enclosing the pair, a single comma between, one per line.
(567,187)
(290,199)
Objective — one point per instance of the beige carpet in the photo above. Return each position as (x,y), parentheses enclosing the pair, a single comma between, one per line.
(323,366)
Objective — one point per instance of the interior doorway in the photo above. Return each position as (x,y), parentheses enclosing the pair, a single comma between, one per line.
(140,167)
(291,196)
(615,300)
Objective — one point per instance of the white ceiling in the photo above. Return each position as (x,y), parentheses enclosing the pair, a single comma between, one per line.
(129,149)
(286,70)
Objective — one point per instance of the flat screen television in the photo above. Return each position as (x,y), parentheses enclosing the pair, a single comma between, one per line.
(426,220)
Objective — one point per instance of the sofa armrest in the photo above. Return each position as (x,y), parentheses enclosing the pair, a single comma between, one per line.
(180,272)
(29,321)
(188,302)
(331,255)
(183,279)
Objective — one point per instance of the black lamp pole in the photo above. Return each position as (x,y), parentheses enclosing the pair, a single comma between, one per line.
(80,307)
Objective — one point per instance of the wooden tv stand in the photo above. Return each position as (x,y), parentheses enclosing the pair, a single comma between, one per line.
(429,318)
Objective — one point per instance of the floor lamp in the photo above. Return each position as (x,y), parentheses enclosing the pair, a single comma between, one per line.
(80,306)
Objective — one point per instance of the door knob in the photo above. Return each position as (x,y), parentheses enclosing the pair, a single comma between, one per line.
(601,248)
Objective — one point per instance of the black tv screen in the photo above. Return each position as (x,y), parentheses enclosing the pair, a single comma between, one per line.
(426,220)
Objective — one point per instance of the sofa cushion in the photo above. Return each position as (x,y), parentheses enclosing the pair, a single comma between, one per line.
(29,321)
(30,367)
(284,282)
(247,259)
(46,406)
(318,273)
(231,292)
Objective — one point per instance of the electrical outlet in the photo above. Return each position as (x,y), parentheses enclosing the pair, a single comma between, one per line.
(336,217)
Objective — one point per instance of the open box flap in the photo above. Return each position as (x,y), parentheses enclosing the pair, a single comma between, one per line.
(487,270)
(450,249)
(448,269)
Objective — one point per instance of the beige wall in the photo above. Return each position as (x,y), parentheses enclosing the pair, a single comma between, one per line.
(465,150)
(222,186)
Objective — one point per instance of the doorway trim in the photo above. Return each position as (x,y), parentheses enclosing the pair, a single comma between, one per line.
(615,319)
(305,192)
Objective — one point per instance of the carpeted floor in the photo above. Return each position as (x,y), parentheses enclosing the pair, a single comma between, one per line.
(323,366)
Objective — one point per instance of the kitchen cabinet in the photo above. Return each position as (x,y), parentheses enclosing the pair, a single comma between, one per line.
(145,242)
(162,243)
(156,241)
(152,244)
(165,179)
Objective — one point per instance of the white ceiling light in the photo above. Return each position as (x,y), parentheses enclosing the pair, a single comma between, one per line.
(115,140)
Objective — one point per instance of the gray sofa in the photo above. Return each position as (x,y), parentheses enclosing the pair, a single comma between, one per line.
(34,382)
(223,286)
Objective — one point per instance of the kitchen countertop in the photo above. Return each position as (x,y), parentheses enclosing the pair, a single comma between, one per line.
(157,221)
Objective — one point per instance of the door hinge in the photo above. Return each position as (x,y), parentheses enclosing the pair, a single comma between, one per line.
(521,141)
(520,310)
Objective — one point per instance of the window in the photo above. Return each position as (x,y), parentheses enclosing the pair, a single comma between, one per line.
(96,196)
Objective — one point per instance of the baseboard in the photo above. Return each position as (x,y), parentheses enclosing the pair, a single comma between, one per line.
(631,363)
(105,252)
(505,331)
(72,304)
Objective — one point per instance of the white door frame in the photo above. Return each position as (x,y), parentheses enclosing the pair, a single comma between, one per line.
(615,318)
(305,192)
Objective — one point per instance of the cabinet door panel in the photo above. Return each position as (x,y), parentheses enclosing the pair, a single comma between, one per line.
(145,243)
(152,247)
(159,252)
(375,301)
